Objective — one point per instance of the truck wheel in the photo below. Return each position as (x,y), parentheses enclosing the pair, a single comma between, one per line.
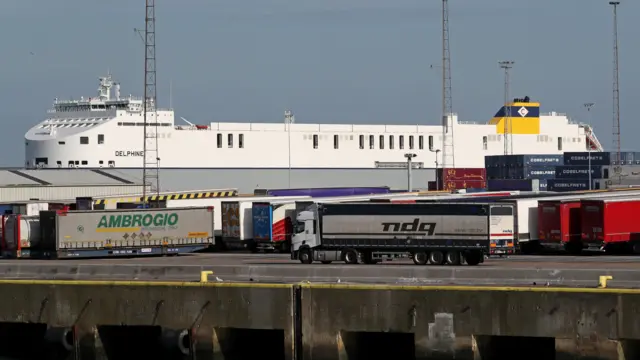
(453,257)
(436,258)
(305,256)
(473,258)
(350,257)
(420,258)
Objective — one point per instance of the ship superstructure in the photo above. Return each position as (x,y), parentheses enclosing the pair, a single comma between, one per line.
(106,131)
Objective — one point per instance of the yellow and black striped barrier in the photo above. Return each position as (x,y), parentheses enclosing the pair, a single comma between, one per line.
(182,196)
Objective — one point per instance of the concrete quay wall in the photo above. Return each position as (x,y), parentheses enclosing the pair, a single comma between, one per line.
(171,320)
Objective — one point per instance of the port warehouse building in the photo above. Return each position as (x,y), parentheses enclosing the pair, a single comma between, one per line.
(21,185)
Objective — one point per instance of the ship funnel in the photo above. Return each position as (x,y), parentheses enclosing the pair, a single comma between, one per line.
(521,116)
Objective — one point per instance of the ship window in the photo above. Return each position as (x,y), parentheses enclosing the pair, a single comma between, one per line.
(430,142)
(100,162)
(315,141)
(410,141)
(241,141)
(84,140)
(361,141)
(61,142)
(100,138)
(335,141)
(112,163)
(401,142)
(420,142)
(560,143)
(371,144)
(484,143)
(77,162)
(219,141)
(230,140)
(58,162)
(70,163)
(85,162)
(381,142)
(391,142)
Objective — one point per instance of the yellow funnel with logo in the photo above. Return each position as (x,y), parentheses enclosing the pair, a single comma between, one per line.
(523,117)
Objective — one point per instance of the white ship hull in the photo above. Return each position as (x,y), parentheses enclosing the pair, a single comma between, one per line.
(107,132)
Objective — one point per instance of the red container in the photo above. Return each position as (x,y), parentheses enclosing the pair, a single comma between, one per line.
(610,222)
(464,184)
(467,174)
(461,178)
(559,223)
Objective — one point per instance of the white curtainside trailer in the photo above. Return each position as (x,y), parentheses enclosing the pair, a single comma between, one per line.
(107,233)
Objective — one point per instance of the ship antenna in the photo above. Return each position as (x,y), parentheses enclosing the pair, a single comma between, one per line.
(448,159)
(151,159)
(508,140)
(616,92)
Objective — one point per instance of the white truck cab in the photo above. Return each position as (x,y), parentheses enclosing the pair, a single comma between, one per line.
(304,230)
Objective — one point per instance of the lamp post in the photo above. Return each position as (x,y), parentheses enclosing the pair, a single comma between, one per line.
(409,157)
(437,177)
(588,106)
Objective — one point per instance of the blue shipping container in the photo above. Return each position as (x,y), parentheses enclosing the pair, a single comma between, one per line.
(582,158)
(531,172)
(578,172)
(262,221)
(516,184)
(561,185)
(522,160)
(626,158)
(497,172)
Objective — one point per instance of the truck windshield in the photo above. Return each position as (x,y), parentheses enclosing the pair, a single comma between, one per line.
(299,228)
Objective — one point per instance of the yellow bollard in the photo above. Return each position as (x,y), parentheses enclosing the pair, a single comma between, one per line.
(602,283)
(204,276)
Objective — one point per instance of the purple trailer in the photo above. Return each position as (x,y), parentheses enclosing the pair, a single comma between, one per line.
(324,192)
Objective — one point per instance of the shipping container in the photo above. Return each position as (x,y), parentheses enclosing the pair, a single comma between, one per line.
(324,192)
(611,224)
(563,185)
(521,185)
(531,172)
(461,174)
(237,220)
(428,233)
(523,160)
(497,173)
(578,172)
(582,158)
(107,233)
(559,220)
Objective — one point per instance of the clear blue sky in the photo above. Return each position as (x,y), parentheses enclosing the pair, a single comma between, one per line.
(343,61)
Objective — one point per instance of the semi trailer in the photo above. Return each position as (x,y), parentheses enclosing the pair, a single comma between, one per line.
(108,233)
(434,233)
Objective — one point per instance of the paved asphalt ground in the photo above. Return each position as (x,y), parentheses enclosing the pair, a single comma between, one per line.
(581,271)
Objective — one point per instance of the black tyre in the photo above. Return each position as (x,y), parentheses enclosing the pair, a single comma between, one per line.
(436,258)
(350,256)
(305,256)
(420,258)
(453,257)
(474,258)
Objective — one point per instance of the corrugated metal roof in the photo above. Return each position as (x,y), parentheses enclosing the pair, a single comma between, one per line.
(9,178)
(63,177)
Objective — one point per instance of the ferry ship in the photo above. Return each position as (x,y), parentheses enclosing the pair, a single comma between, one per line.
(106,131)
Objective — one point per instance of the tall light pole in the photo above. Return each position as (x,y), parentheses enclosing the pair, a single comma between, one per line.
(616,90)
(288,120)
(588,106)
(409,157)
(508,146)
(437,177)
(151,157)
